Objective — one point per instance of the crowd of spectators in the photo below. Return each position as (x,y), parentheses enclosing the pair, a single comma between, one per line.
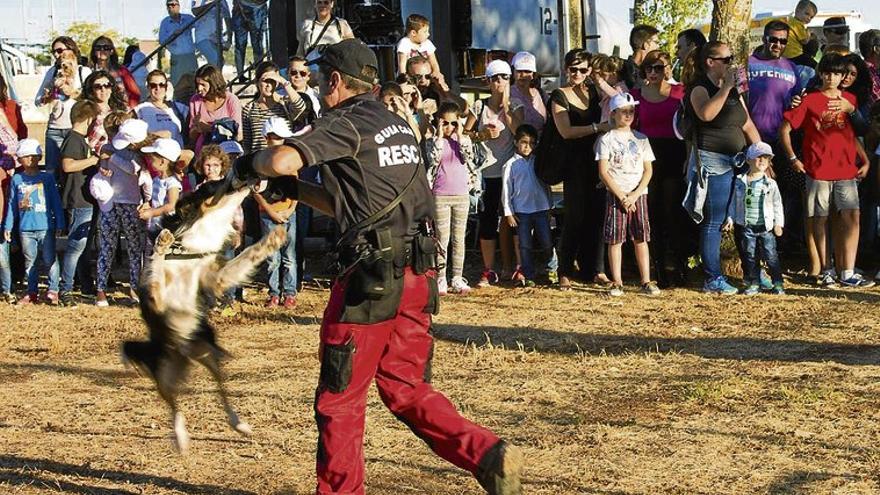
(666,150)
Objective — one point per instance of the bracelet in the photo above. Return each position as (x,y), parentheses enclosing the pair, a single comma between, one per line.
(793,158)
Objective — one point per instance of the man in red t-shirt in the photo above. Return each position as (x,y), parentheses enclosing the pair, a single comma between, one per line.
(834,161)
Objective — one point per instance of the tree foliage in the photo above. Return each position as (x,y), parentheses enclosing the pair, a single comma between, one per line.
(84,33)
(670,17)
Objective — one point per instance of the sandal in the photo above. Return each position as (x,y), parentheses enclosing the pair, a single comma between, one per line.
(564,283)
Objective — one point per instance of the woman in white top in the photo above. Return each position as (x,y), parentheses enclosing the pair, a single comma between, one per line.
(324,29)
(159,112)
(59,101)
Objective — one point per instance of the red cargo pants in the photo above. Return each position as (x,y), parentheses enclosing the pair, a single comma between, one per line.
(396,353)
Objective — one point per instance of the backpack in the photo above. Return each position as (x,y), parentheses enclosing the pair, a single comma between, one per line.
(683,122)
(223,129)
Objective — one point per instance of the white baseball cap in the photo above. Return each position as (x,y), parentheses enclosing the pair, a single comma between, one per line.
(525,61)
(230,147)
(622,100)
(164,147)
(759,149)
(496,67)
(102,191)
(132,131)
(29,147)
(277,126)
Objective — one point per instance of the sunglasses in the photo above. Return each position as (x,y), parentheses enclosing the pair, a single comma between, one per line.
(724,60)
(774,40)
(270,82)
(172,4)
(59,51)
(300,73)
(841,30)
(446,122)
(103,48)
(99,86)
(656,68)
(410,95)
(157,85)
(582,70)
(500,77)
(418,77)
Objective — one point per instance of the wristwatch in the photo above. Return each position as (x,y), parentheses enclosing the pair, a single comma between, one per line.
(793,158)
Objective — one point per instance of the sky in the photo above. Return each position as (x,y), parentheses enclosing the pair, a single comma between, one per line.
(140,17)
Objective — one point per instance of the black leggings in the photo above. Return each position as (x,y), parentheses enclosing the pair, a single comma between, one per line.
(491,213)
(671,229)
(584,217)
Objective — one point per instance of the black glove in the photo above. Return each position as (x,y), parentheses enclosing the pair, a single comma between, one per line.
(242,173)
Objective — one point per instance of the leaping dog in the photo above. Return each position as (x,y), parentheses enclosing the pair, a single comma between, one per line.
(186,274)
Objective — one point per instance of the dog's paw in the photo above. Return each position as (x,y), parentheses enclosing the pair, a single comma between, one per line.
(163,242)
(244,428)
(181,436)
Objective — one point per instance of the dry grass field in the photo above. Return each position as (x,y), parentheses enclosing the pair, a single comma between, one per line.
(681,394)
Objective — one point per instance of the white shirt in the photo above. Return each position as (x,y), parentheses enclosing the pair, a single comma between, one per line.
(162,119)
(626,152)
(160,194)
(59,111)
(410,49)
(521,190)
(311,29)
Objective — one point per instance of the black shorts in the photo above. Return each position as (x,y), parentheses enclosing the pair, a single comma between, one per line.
(491,213)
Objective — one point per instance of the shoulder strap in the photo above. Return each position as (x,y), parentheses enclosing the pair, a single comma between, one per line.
(79,70)
(321,34)
(368,222)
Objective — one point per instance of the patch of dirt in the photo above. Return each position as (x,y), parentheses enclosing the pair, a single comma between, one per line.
(685,393)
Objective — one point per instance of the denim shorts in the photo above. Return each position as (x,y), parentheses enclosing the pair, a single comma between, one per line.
(821,194)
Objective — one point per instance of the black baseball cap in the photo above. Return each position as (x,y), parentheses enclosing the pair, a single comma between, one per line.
(350,56)
(834,23)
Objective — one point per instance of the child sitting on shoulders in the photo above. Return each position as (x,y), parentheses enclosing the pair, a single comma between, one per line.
(417,43)
(757,216)
(527,204)
(625,166)
(34,206)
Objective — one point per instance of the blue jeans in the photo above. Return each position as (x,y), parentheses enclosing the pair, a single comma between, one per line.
(284,258)
(253,21)
(750,240)
(42,243)
(718,195)
(539,222)
(54,139)
(208,49)
(77,239)
(5,267)
(303,224)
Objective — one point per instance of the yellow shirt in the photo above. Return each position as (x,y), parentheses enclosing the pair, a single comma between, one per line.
(798,36)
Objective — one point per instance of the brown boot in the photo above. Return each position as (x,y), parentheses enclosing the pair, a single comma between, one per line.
(500,469)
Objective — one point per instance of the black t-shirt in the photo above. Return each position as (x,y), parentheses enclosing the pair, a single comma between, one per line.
(367,156)
(724,133)
(76,188)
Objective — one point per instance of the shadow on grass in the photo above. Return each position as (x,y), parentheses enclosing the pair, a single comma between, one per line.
(23,471)
(799,481)
(735,348)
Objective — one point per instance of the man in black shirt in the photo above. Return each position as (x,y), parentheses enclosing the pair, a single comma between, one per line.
(377,322)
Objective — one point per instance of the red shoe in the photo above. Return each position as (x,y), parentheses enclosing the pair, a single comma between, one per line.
(272,302)
(289,301)
(28,299)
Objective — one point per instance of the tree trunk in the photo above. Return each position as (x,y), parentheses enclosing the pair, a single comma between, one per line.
(730,24)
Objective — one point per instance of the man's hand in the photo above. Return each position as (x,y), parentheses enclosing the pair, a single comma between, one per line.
(728,226)
(863,171)
(798,166)
(511,220)
(7,236)
(777,231)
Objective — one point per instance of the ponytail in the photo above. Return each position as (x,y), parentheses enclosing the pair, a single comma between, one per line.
(694,67)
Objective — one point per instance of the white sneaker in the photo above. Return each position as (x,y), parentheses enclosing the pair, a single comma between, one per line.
(441,286)
(460,286)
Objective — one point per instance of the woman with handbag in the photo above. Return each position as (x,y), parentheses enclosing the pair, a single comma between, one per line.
(721,129)
(574,123)
(211,103)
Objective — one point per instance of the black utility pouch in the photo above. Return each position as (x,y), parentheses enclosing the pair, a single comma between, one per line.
(337,361)
(373,276)
(424,254)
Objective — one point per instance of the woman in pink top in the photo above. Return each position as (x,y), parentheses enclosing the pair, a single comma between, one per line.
(658,102)
(210,103)
(524,93)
